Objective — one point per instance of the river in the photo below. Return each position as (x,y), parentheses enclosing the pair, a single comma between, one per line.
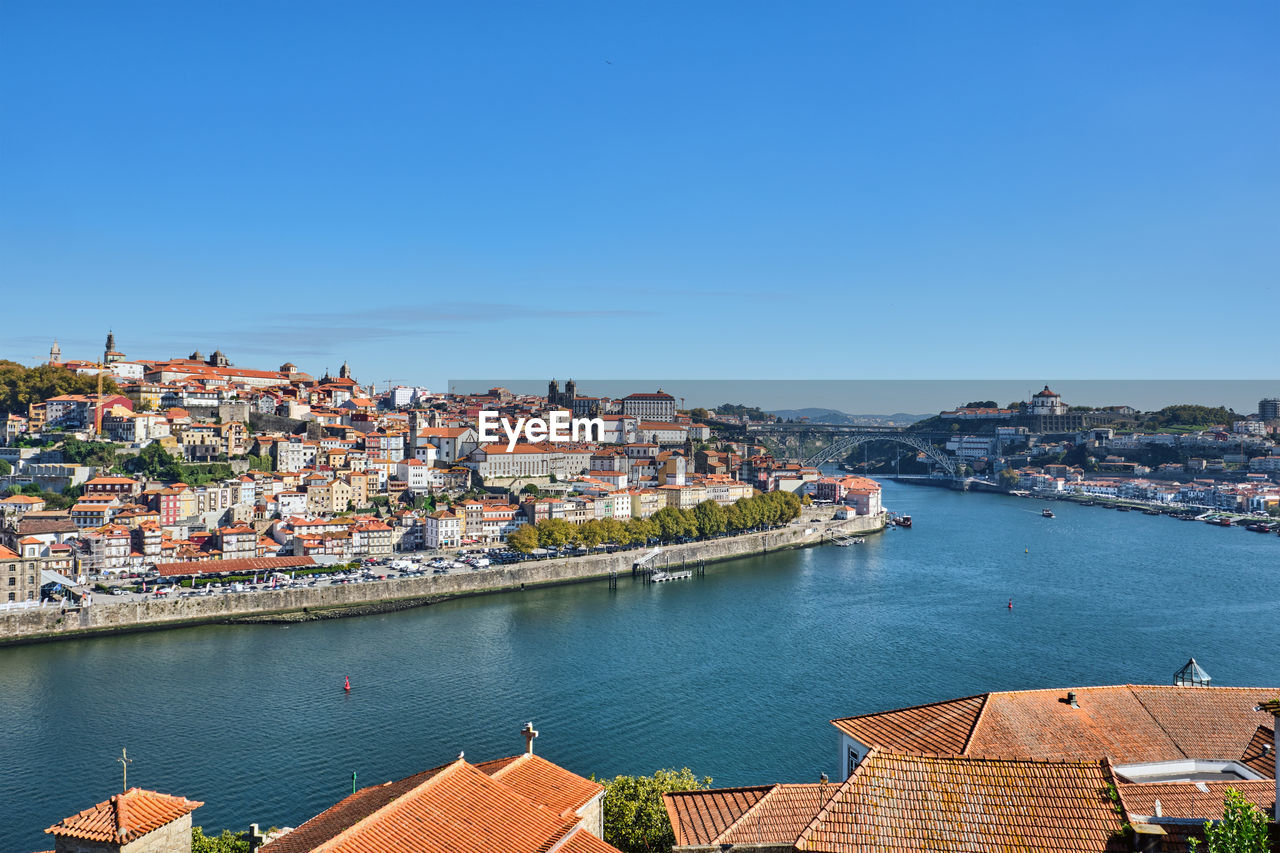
(734,675)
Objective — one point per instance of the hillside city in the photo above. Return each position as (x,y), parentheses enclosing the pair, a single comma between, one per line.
(192,467)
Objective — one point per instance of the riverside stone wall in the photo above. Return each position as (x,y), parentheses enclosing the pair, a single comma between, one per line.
(37,624)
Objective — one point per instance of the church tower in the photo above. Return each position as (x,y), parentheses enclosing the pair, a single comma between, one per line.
(344,372)
(415,426)
(55,353)
(109,355)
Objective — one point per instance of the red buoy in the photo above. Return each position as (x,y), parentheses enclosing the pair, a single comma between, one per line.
(346,679)
(1011,604)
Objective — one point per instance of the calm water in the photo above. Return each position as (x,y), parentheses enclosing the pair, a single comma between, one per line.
(734,675)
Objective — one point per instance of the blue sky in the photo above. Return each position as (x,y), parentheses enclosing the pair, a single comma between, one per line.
(694,190)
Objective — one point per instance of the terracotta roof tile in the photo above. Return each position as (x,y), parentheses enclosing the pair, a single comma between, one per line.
(1185,800)
(1128,723)
(125,817)
(542,782)
(905,802)
(699,817)
(781,816)
(345,813)
(248,564)
(942,727)
(456,808)
(1260,754)
(584,842)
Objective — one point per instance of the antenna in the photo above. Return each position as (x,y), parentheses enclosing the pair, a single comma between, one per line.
(125,761)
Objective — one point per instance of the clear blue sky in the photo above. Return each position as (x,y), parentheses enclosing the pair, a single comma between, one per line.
(431,190)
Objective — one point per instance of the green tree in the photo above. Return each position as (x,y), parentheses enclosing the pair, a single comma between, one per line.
(531,489)
(155,463)
(749,512)
(224,843)
(1243,828)
(523,539)
(5,468)
(556,533)
(672,524)
(710,518)
(591,533)
(613,530)
(641,530)
(100,454)
(20,386)
(258,463)
(1009,478)
(635,819)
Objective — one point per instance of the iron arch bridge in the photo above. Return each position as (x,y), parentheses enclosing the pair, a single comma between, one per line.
(840,448)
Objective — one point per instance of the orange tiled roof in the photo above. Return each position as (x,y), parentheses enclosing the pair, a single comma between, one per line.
(250,564)
(942,727)
(125,817)
(896,801)
(1185,800)
(584,842)
(779,818)
(1260,754)
(545,783)
(1129,723)
(699,817)
(456,808)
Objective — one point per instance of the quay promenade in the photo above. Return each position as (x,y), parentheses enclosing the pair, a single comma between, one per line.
(39,624)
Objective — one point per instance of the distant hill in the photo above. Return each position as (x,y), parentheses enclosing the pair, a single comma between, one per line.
(834,416)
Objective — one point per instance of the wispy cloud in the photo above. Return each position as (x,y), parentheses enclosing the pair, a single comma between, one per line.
(319,333)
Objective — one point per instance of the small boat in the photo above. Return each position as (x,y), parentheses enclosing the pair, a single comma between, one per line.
(1123,508)
(1151,512)
(1220,522)
(1259,527)
(1047,513)
(903,521)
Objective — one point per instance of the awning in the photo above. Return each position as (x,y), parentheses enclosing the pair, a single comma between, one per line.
(47,577)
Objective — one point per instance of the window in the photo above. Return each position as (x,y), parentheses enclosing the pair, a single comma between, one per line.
(13,581)
(12,597)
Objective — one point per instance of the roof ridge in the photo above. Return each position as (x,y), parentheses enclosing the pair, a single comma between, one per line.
(987,759)
(977,718)
(723,790)
(514,759)
(802,840)
(1176,745)
(912,707)
(331,842)
(751,808)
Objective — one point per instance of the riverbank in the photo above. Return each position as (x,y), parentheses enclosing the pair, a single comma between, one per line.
(1179,511)
(42,624)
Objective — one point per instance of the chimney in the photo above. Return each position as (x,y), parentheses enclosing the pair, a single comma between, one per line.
(1071,699)
(529,734)
(1272,707)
